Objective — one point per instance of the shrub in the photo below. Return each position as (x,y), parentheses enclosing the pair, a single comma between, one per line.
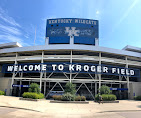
(78,98)
(41,96)
(83,98)
(108,97)
(57,97)
(33,95)
(68,97)
(104,90)
(137,97)
(2,92)
(34,88)
(70,88)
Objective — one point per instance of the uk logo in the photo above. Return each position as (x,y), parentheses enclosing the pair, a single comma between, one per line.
(72,31)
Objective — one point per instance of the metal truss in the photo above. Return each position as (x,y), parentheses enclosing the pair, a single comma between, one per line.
(54,87)
(86,88)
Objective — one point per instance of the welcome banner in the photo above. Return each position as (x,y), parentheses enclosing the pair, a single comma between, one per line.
(70,68)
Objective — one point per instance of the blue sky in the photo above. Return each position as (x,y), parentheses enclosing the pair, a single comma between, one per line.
(119,20)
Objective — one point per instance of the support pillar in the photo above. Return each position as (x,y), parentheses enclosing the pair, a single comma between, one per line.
(20,89)
(20,83)
(30,82)
(128,87)
(95,88)
(49,85)
(71,40)
(119,87)
(13,76)
(47,41)
(41,73)
(45,74)
(71,63)
(99,75)
(111,84)
(91,86)
(95,84)
(44,87)
(127,78)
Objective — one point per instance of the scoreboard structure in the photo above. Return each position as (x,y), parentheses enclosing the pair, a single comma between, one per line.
(84,31)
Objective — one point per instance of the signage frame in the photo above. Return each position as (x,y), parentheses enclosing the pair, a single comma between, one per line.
(84,31)
(66,65)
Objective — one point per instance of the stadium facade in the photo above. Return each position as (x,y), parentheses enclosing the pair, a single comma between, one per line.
(71,54)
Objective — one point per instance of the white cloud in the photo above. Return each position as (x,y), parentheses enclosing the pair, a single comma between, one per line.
(26,36)
(11,38)
(4,16)
(10,30)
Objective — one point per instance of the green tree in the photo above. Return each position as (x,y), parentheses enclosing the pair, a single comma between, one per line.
(70,88)
(34,88)
(104,90)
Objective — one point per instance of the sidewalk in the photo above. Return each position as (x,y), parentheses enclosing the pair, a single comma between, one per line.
(69,109)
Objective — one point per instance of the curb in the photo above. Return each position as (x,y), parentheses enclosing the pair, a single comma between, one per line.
(75,102)
(30,99)
(19,108)
(108,102)
(119,111)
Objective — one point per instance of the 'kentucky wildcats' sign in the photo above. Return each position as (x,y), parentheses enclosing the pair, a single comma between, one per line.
(70,68)
(84,31)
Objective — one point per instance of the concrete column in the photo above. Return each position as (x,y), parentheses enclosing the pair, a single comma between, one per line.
(111,84)
(95,84)
(47,41)
(44,87)
(95,88)
(49,85)
(71,40)
(99,75)
(20,87)
(128,87)
(71,63)
(41,73)
(13,76)
(96,42)
(91,86)
(127,78)
(45,83)
(120,87)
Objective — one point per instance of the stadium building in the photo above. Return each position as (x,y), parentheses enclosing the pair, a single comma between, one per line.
(71,54)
